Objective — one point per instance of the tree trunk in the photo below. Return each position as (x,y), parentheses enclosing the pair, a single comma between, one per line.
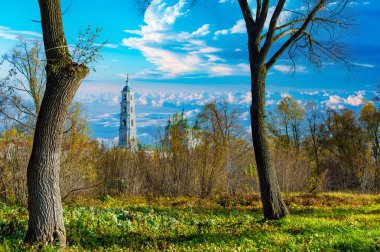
(63,79)
(273,205)
(44,202)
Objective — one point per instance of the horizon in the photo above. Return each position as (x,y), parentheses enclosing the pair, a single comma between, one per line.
(179,64)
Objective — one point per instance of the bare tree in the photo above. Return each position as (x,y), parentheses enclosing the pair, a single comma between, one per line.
(266,46)
(27,61)
(26,77)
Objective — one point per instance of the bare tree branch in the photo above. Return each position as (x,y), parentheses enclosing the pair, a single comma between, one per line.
(297,34)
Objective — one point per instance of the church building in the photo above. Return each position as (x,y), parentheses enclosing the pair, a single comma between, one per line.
(127,130)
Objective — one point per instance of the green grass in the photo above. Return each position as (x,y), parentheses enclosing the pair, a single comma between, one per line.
(325,222)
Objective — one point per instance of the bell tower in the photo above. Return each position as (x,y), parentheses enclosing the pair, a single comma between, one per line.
(127,130)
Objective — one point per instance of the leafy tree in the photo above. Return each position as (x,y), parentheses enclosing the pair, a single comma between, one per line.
(176,146)
(370,118)
(344,140)
(219,131)
(291,115)
(314,142)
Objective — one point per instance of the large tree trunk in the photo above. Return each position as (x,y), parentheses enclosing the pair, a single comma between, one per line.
(63,79)
(273,205)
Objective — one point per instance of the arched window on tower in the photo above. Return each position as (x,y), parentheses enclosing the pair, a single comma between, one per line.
(124,122)
(131,109)
(131,97)
(132,122)
(124,109)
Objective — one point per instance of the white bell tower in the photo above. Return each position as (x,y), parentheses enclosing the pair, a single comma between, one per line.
(127,130)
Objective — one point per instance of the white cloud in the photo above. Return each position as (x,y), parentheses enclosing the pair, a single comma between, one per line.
(174,53)
(284,68)
(158,103)
(244,67)
(245,116)
(202,31)
(142,100)
(288,69)
(115,100)
(270,102)
(333,101)
(240,27)
(355,100)
(311,92)
(285,94)
(108,45)
(8,33)
(221,32)
(363,65)
(246,98)
(336,101)
(192,113)
(230,97)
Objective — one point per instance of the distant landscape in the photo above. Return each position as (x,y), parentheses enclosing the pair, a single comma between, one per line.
(187,125)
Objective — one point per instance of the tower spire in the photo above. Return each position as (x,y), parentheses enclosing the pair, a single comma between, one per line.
(127,81)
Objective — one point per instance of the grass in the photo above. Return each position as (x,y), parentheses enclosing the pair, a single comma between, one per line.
(324,222)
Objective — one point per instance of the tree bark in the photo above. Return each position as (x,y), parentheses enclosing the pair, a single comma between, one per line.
(63,79)
(273,205)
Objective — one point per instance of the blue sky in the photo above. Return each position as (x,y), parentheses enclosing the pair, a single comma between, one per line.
(181,58)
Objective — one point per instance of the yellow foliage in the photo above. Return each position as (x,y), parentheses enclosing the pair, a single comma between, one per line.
(12,135)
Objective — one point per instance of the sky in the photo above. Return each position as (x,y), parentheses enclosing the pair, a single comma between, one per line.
(179,57)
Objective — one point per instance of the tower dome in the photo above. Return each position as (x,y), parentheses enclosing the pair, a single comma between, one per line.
(127,87)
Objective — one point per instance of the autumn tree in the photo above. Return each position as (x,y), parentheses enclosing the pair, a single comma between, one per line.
(176,147)
(219,130)
(291,114)
(343,138)
(314,142)
(14,149)
(370,118)
(78,173)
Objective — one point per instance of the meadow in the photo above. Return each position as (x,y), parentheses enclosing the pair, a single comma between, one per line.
(318,222)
